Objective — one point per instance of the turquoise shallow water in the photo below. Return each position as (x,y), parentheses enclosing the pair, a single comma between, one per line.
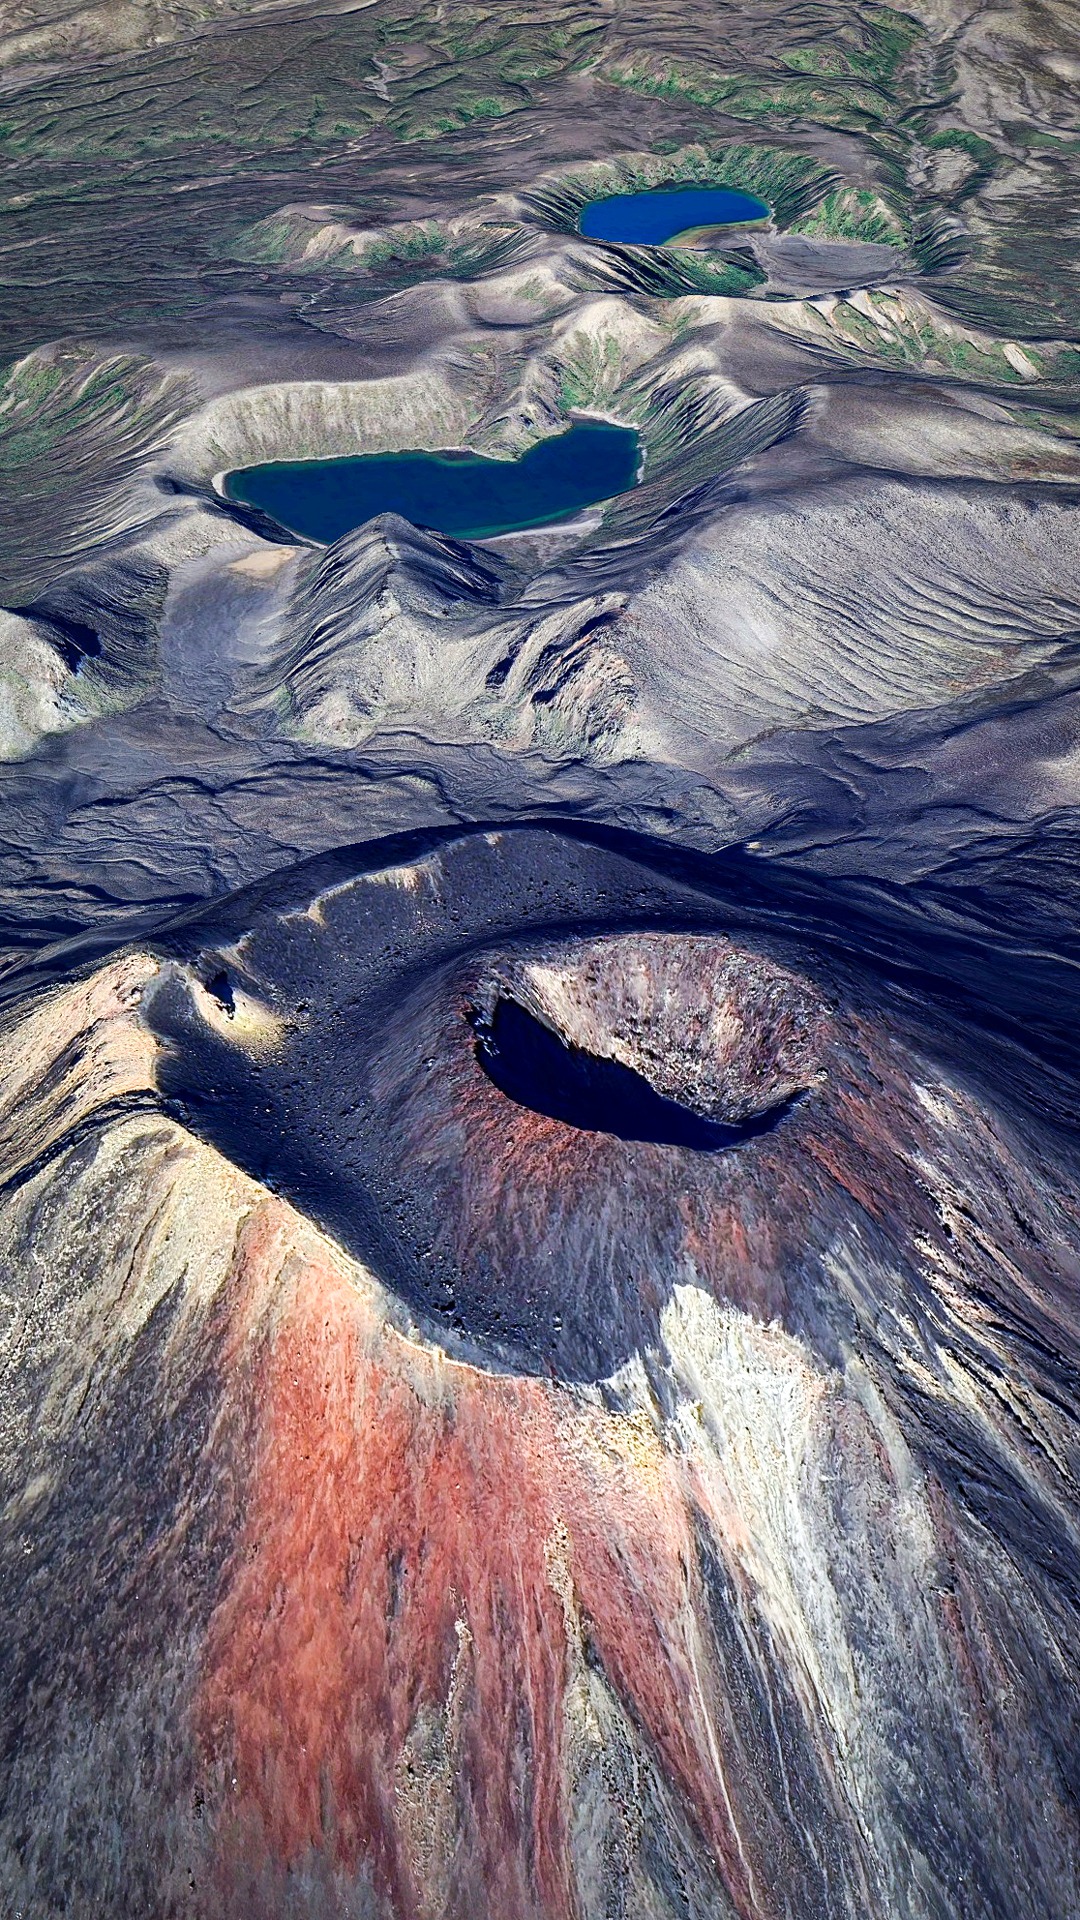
(652,219)
(460,494)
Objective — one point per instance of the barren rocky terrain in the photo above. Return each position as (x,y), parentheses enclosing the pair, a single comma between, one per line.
(539,1076)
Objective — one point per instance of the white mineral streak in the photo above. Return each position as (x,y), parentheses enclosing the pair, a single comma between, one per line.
(756,1422)
(748,1421)
(1017,358)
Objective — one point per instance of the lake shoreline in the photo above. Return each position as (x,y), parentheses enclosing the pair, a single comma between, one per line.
(462,495)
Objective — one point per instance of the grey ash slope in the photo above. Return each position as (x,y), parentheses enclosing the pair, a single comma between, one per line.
(716,683)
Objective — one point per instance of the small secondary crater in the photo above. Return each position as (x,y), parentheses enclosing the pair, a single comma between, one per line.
(679,216)
(462,494)
(219,987)
(532,1066)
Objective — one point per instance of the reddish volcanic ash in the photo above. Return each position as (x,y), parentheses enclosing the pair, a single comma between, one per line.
(385,1675)
(756,1608)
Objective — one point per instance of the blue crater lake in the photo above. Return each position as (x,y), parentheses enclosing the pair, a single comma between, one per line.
(456,493)
(655,219)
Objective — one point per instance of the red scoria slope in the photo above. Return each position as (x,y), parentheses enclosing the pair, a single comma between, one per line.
(319,1604)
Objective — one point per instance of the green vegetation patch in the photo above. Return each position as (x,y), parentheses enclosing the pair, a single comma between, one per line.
(962,140)
(321,242)
(869,44)
(666,273)
(592,373)
(73,429)
(294,83)
(853,213)
(445,69)
(850,106)
(448,108)
(904,332)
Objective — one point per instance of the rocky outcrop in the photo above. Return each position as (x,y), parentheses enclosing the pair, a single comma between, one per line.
(398,627)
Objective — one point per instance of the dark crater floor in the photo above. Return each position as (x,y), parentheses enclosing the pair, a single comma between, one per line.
(378,1054)
(506,1074)
(536,1069)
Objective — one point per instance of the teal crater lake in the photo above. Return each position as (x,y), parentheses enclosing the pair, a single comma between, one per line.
(462,494)
(656,219)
